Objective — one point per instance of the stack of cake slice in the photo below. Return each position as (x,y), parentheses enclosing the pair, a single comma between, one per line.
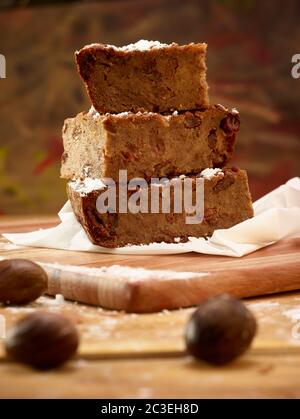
(151,118)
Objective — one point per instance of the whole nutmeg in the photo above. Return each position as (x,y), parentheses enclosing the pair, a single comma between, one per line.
(21,281)
(42,340)
(220,330)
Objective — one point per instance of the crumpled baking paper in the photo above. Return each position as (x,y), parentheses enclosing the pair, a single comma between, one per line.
(277,215)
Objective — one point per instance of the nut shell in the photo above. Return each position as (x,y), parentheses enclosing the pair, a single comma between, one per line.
(220,330)
(42,340)
(21,281)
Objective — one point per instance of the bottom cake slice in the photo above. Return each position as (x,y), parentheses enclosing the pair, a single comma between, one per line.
(227,202)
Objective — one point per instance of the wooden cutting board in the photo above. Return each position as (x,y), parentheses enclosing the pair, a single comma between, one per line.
(270,270)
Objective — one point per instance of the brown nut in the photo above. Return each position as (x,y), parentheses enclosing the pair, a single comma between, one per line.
(42,340)
(21,281)
(220,330)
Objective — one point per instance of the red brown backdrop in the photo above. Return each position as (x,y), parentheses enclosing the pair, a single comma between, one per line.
(251,44)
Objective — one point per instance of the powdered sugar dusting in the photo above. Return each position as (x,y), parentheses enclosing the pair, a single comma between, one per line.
(141,45)
(129,113)
(293,314)
(59,299)
(161,182)
(92,112)
(87,185)
(123,114)
(56,302)
(17,310)
(210,173)
(261,305)
(126,273)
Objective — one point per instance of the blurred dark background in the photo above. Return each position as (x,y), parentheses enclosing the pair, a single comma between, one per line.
(251,44)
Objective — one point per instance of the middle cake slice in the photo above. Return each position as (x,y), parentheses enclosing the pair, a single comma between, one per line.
(148,144)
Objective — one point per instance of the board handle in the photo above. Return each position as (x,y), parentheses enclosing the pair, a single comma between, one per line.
(251,278)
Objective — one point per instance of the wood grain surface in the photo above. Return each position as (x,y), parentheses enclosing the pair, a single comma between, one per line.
(143,355)
(270,270)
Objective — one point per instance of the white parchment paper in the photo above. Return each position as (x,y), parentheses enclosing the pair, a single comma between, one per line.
(277,215)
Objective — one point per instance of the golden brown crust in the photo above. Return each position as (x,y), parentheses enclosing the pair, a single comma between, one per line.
(148,144)
(154,80)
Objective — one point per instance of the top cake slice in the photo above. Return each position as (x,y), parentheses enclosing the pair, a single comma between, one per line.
(145,76)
